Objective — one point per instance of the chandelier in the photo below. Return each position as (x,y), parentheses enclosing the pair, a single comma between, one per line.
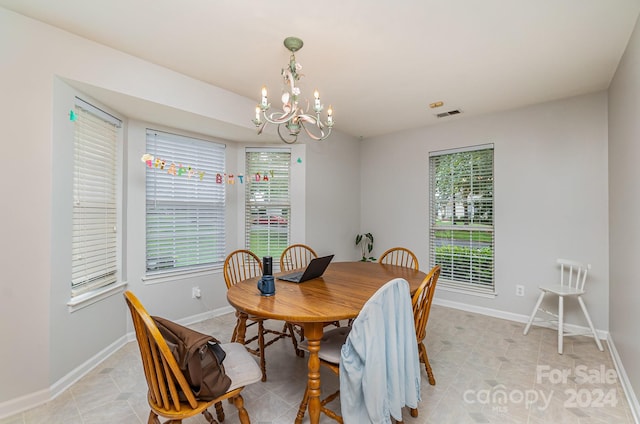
(294,117)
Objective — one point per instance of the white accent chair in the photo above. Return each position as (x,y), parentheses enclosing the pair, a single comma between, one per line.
(572,280)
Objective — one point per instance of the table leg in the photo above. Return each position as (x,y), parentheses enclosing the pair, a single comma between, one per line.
(313,333)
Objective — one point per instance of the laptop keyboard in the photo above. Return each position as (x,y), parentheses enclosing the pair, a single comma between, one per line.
(292,276)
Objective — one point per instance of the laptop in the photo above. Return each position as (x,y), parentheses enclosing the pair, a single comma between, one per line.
(315,269)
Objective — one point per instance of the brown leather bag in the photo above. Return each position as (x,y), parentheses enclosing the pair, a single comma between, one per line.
(196,355)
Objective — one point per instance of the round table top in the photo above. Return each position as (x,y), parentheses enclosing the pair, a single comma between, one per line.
(339,294)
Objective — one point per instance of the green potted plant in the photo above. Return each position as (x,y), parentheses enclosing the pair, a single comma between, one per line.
(365,242)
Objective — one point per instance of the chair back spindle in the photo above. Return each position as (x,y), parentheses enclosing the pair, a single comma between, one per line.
(241,265)
(573,274)
(296,256)
(400,256)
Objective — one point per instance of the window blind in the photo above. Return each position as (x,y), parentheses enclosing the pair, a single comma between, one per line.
(267,201)
(94,220)
(185,205)
(461,230)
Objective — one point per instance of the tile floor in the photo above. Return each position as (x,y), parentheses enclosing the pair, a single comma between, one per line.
(486,372)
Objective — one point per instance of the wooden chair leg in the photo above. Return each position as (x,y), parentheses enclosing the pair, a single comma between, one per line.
(427,366)
(153,418)
(303,406)
(291,331)
(243,415)
(235,333)
(263,363)
(219,411)
(209,417)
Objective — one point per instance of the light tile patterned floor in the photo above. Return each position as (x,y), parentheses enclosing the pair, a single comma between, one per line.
(486,372)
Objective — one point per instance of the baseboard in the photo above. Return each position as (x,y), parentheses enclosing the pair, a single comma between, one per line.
(23,403)
(193,319)
(32,400)
(634,405)
(68,380)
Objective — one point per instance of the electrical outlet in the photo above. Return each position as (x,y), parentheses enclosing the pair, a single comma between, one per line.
(519,290)
(195,293)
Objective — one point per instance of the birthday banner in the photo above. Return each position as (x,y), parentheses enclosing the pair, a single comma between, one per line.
(188,171)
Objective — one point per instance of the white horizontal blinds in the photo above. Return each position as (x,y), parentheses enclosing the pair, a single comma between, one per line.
(185,198)
(461,236)
(94,234)
(267,202)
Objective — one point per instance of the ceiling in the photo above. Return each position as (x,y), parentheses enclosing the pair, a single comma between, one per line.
(379,64)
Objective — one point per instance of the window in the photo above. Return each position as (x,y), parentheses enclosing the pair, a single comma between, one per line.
(267,201)
(461,238)
(95,199)
(185,195)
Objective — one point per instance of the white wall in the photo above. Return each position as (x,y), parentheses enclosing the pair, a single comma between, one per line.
(44,346)
(624,209)
(550,164)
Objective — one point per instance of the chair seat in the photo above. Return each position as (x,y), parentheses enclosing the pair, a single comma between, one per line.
(330,344)
(562,290)
(240,366)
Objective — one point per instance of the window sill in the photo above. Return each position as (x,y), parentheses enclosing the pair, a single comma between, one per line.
(86,299)
(179,275)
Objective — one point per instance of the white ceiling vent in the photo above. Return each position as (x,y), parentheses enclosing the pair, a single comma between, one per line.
(450,113)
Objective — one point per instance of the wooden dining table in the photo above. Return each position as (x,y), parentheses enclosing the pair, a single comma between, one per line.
(339,294)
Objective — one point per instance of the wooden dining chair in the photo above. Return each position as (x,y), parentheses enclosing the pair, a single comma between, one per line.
(421,301)
(365,348)
(296,256)
(240,265)
(165,380)
(400,256)
(293,257)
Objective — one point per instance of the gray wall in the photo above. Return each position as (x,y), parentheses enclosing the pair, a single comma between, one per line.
(550,166)
(624,209)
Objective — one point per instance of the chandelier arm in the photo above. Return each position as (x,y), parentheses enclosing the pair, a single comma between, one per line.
(316,121)
(278,118)
(313,136)
(288,141)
